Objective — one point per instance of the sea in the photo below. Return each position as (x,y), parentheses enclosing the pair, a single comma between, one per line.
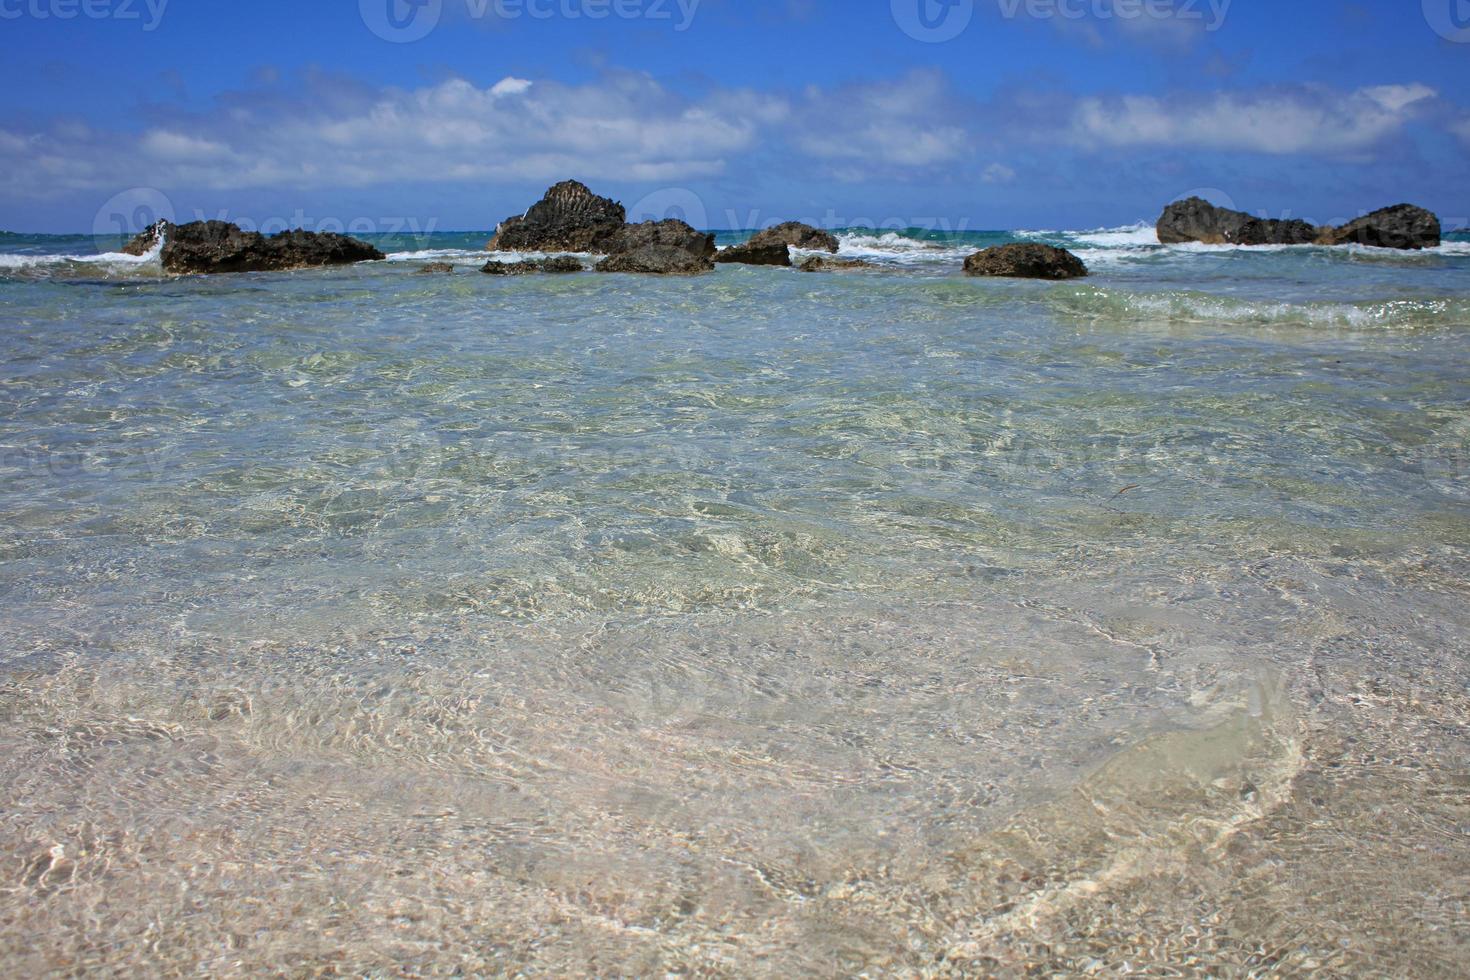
(365,622)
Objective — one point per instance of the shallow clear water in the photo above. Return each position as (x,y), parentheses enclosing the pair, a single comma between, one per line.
(761,622)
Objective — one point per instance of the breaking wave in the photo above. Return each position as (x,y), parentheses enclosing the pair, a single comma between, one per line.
(1182,306)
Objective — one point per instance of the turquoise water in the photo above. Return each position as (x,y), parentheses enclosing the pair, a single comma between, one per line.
(755,622)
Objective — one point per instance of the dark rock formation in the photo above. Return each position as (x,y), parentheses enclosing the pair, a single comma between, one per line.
(218,246)
(494,268)
(820,263)
(797,235)
(569,218)
(435,269)
(751,253)
(668,247)
(559,264)
(1028,261)
(1402,226)
(1197,220)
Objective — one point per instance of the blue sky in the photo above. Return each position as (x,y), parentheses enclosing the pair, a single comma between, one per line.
(956,113)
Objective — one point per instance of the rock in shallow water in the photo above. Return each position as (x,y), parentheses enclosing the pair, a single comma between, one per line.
(1402,226)
(218,246)
(820,263)
(1197,220)
(797,235)
(752,253)
(568,218)
(557,264)
(668,247)
(1026,261)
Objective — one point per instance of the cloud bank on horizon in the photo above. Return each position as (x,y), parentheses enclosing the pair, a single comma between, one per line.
(1032,112)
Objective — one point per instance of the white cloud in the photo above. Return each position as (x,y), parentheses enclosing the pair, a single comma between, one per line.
(626,126)
(1173,31)
(162,144)
(510,86)
(1307,120)
(899,128)
(332,132)
(1395,98)
(998,173)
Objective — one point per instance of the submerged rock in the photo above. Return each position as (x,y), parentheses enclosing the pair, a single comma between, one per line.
(820,263)
(669,247)
(1197,220)
(797,235)
(562,264)
(568,218)
(218,246)
(559,264)
(1402,226)
(1026,261)
(494,268)
(435,269)
(754,253)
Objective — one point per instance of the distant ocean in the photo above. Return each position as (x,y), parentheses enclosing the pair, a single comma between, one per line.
(756,622)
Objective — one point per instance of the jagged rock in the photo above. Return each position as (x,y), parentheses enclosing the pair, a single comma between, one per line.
(435,269)
(1402,226)
(820,263)
(218,246)
(1197,220)
(797,235)
(1026,260)
(569,218)
(668,247)
(752,253)
(558,264)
